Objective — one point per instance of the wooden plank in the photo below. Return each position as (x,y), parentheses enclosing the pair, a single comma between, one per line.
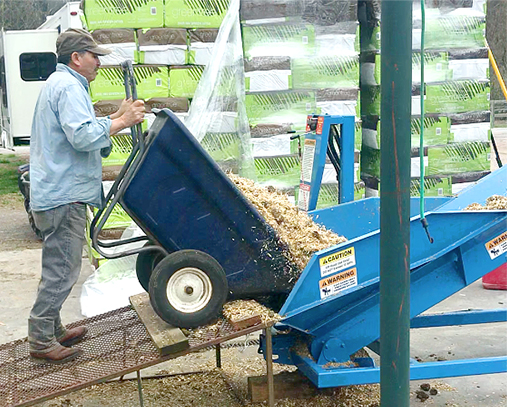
(287,385)
(246,322)
(168,339)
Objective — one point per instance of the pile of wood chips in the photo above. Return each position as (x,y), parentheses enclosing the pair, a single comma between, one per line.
(235,311)
(493,203)
(241,309)
(294,227)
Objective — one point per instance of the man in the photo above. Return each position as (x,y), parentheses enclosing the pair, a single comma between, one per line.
(66,145)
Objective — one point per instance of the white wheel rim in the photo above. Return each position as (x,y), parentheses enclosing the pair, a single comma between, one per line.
(189,290)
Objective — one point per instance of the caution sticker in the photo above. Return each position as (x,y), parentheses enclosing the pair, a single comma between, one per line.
(334,284)
(497,246)
(337,262)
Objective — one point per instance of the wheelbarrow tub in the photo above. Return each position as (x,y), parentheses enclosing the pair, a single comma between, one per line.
(182,199)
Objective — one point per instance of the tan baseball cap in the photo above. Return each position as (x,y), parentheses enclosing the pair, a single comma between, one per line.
(76,39)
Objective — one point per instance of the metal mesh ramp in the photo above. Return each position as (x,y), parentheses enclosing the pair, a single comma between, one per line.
(117,343)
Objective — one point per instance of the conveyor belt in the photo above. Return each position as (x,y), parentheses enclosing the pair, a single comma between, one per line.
(117,343)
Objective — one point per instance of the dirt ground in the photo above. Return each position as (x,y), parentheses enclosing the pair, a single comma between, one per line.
(15,233)
(211,387)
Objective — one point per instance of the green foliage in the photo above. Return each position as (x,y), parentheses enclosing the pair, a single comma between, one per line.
(8,173)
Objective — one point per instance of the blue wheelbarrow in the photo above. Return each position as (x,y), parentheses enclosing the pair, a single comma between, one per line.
(206,243)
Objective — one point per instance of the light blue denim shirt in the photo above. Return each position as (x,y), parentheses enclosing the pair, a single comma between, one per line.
(66,143)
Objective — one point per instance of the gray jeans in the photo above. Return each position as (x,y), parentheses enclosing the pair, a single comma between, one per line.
(63,233)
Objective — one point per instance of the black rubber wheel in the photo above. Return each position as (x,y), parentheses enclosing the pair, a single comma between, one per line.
(24,180)
(145,263)
(188,289)
(34,227)
(27,205)
(21,186)
(31,220)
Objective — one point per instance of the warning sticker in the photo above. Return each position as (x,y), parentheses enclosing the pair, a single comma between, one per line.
(337,261)
(307,163)
(333,285)
(320,125)
(304,196)
(497,246)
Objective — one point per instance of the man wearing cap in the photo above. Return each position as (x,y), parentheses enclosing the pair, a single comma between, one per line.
(66,145)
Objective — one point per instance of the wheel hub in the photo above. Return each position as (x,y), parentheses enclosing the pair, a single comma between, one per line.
(189,290)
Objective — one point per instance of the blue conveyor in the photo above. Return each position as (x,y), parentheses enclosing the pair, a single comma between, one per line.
(334,307)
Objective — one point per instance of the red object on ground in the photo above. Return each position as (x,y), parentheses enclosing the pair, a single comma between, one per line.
(497,279)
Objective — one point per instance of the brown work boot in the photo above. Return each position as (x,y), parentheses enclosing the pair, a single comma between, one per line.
(60,354)
(73,336)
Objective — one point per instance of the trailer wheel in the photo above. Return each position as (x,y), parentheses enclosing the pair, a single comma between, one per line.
(188,288)
(145,263)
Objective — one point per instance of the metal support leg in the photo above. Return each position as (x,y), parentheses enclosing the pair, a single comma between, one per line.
(269,367)
(218,356)
(140,388)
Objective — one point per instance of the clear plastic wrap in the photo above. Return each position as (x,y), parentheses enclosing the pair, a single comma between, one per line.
(456,93)
(217,115)
(111,285)
(301,57)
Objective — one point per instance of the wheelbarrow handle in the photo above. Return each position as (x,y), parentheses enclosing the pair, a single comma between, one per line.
(129,81)
(120,184)
(126,82)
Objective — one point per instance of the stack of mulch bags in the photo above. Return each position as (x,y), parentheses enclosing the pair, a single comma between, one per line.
(169,42)
(456,127)
(300,58)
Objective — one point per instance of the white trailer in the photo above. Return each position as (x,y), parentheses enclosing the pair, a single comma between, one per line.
(27,58)
(69,16)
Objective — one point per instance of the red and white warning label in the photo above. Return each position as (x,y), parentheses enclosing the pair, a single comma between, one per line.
(304,196)
(334,284)
(497,246)
(306,174)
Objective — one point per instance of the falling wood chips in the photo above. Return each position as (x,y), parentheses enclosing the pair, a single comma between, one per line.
(294,227)
(493,203)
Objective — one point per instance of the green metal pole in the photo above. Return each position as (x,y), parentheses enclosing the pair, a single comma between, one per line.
(396,73)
